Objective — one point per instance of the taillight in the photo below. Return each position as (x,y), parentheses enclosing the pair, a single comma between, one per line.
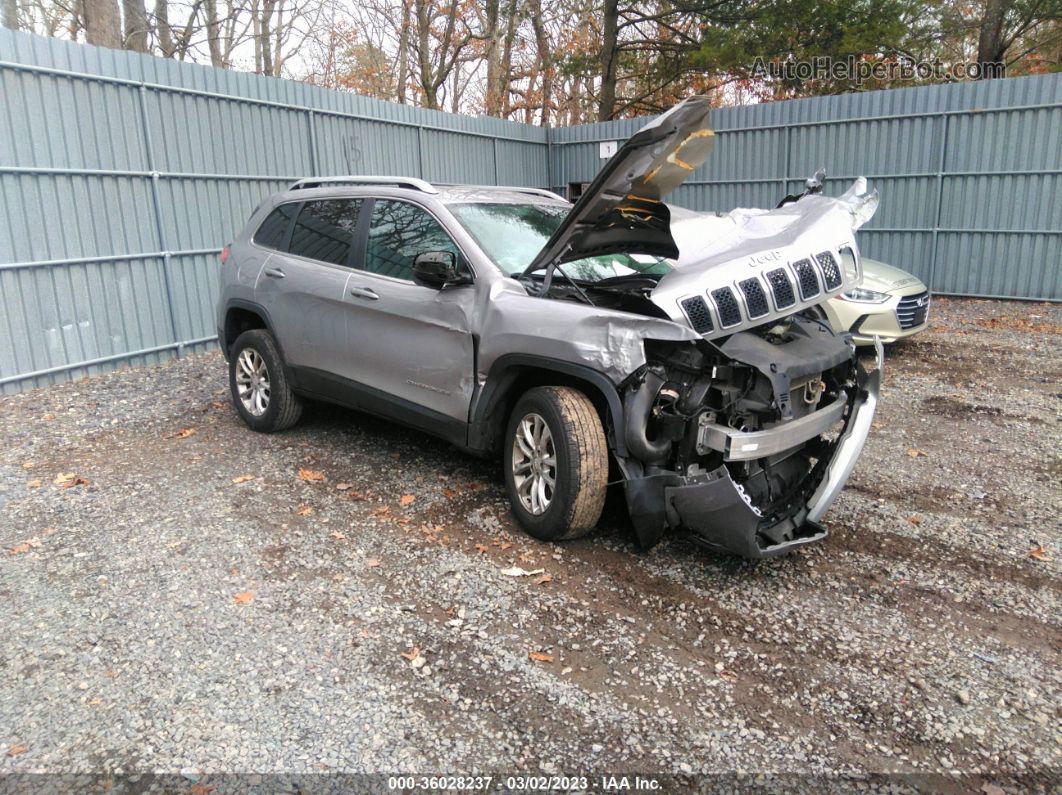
(224,255)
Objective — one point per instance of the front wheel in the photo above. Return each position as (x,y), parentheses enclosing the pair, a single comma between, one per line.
(259,386)
(556,463)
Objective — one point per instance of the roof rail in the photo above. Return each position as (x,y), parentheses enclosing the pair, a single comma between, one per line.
(401,182)
(546,194)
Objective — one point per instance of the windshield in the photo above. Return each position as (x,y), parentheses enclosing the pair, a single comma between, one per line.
(512,234)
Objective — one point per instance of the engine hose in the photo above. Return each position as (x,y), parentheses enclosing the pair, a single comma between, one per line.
(637,406)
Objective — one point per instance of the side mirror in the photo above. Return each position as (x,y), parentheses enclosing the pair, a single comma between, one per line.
(435,268)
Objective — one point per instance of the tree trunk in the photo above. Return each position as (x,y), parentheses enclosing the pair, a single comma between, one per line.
(136,25)
(506,71)
(990,47)
(492,55)
(265,35)
(545,62)
(403,54)
(103,23)
(162,28)
(10,14)
(213,31)
(609,31)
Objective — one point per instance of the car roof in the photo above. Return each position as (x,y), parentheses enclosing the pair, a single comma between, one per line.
(324,187)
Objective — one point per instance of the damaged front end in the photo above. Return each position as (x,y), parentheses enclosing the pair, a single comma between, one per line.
(745,433)
(745,443)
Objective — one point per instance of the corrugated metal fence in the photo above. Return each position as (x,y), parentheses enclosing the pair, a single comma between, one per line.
(122,175)
(969,174)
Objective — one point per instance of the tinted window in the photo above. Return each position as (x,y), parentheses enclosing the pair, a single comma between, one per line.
(274,229)
(397,233)
(325,230)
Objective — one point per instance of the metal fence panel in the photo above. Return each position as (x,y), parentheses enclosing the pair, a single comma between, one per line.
(122,175)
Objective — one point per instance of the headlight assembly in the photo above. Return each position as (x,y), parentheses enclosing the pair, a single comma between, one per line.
(861,295)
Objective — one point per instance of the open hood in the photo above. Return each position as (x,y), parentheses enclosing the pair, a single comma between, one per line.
(622,211)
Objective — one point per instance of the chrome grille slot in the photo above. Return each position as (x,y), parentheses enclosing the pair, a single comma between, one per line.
(809,282)
(755,297)
(913,310)
(831,273)
(782,288)
(696,309)
(727,306)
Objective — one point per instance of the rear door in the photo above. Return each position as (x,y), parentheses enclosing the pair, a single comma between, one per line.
(302,286)
(410,342)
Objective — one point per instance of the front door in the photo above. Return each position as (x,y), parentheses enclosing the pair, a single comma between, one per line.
(410,342)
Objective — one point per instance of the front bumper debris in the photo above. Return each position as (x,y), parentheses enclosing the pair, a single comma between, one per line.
(720,515)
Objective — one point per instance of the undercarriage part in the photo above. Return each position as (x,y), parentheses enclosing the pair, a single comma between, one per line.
(742,446)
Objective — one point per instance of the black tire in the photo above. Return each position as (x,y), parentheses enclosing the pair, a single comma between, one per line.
(284,407)
(581,472)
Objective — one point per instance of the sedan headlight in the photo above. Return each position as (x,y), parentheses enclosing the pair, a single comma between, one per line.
(862,295)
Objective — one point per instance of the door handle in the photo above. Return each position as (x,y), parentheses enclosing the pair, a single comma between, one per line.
(276,273)
(363,292)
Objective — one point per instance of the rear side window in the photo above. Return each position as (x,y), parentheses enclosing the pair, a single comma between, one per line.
(325,230)
(397,233)
(273,232)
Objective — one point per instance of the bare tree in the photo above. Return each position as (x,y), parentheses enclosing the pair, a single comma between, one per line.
(135,25)
(10,14)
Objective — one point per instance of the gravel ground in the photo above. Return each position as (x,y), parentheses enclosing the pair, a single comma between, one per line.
(183,601)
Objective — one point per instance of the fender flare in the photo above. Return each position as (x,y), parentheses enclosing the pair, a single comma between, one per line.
(503,374)
(261,311)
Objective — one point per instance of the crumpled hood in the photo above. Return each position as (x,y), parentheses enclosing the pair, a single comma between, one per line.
(748,266)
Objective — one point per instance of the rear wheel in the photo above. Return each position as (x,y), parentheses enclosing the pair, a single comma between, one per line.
(556,463)
(259,386)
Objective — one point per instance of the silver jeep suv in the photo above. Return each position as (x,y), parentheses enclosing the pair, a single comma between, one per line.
(566,339)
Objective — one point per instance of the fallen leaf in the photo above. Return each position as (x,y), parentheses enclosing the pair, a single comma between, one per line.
(202,789)
(48,417)
(243,597)
(28,465)
(448,492)
(243,478)
(77,481)
(343,487)
(356,496)
(915,453)
(915,520)
(1038,553)
(403,520)
(730,676)
(304,510)
(234,572)
(17,748)
(372,562)
(18,549)
(516,571)
(337,535)
(64,477)
(472,486)
(544,579)
(482,548)
(538,656)
(383,509)
(505,545)
(311,475)
(33,484)
(406,499)
(218,404)
(183,433)
(412,654)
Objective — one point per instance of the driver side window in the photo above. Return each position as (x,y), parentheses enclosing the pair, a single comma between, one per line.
(398,231)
